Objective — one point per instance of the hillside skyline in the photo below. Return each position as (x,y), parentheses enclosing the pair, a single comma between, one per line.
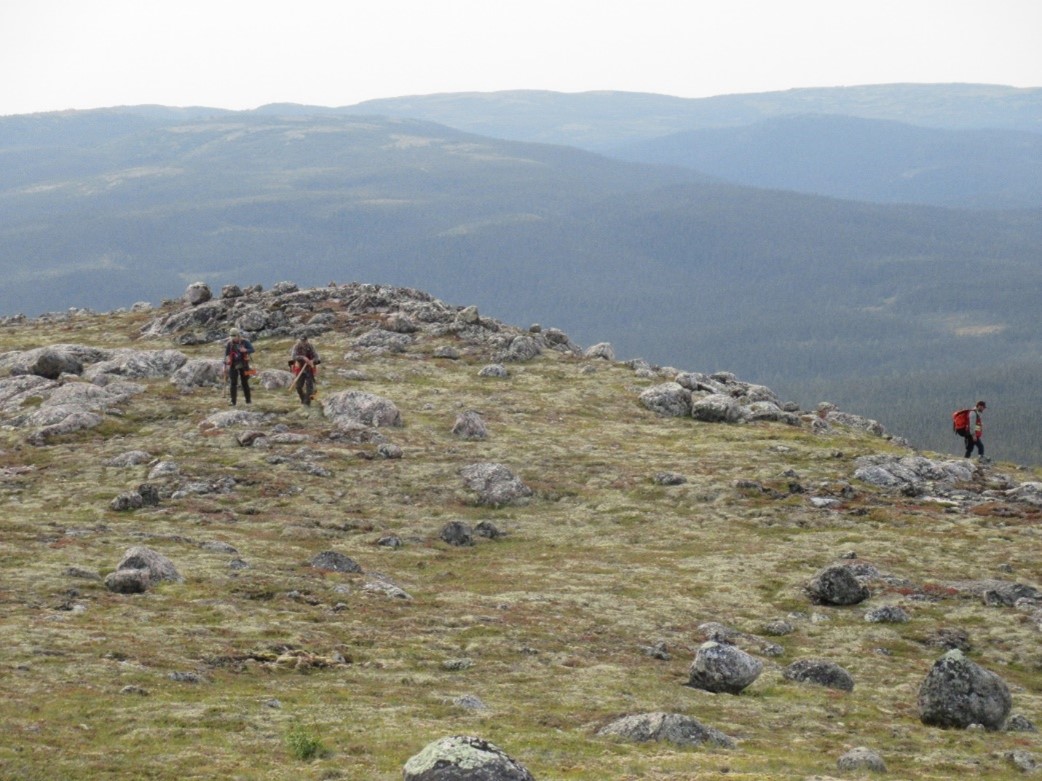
(245,55)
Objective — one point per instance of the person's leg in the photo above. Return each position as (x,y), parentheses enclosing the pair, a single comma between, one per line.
(233,378)
(245,386)
(969,444)
(980,448)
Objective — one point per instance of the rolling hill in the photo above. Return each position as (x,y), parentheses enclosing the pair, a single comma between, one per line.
(812,295)
(862,160)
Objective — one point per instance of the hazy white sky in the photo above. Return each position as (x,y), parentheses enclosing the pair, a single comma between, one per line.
(59,54)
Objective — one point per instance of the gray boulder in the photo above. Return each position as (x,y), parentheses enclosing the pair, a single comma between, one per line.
(130,458)
(159,566)
(464,758)
(128,581)
(668,399)
(494,370)
(54,362)
(669,727)
(821,672)
(137,364)
(275,379)
(197,293)
(470,425)
(457,533)
(600,350)
(335,562)
(367,409)
(521,348)
(837,585)
(126,501)
(717,408)
(719,667)
(958,692)
(495,484)
(379,340)
(861,758)
(197,373)
(71,420)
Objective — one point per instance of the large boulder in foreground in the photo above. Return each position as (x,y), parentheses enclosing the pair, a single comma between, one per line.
(958,692)
(463,758)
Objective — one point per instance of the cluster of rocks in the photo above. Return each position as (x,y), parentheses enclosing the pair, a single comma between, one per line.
(717,398)
(286,310)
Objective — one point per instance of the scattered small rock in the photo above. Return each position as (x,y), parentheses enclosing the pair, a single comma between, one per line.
(821,672)
(861,758)
(335,562)
(670,727)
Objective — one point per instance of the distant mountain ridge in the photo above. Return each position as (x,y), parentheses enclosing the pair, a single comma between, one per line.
(862,159)
(603,120)
(849,301)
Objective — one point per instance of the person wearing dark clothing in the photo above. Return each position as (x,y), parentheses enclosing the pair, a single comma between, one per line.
(303,361)
(237,352)
(973,431)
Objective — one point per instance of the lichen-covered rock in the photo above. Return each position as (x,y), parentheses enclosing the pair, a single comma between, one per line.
(821,672)
(197,373)
(717,408)
(668,399)
(958,692)
(128,581)
(464,758)
(367,409)
(495,484)
(457,533)
(837,585)
(600,350)
(197,293)
(470,425)
(159,566)
(334,561)
(861,758)
(670,727)
(719,667)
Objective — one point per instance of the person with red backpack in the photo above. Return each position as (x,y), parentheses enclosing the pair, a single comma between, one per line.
(969,425)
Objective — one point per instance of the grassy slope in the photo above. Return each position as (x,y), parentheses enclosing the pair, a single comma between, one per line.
(552,616)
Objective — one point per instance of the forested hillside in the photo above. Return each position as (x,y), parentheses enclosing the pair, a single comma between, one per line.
(862,159)
(818,297)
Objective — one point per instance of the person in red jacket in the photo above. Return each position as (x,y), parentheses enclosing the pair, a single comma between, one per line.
(973,430)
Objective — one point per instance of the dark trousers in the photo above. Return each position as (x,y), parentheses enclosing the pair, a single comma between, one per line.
(971,442)
(237,376)
(306,386)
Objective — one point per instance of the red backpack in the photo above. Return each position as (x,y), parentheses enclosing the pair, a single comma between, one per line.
(961,419)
